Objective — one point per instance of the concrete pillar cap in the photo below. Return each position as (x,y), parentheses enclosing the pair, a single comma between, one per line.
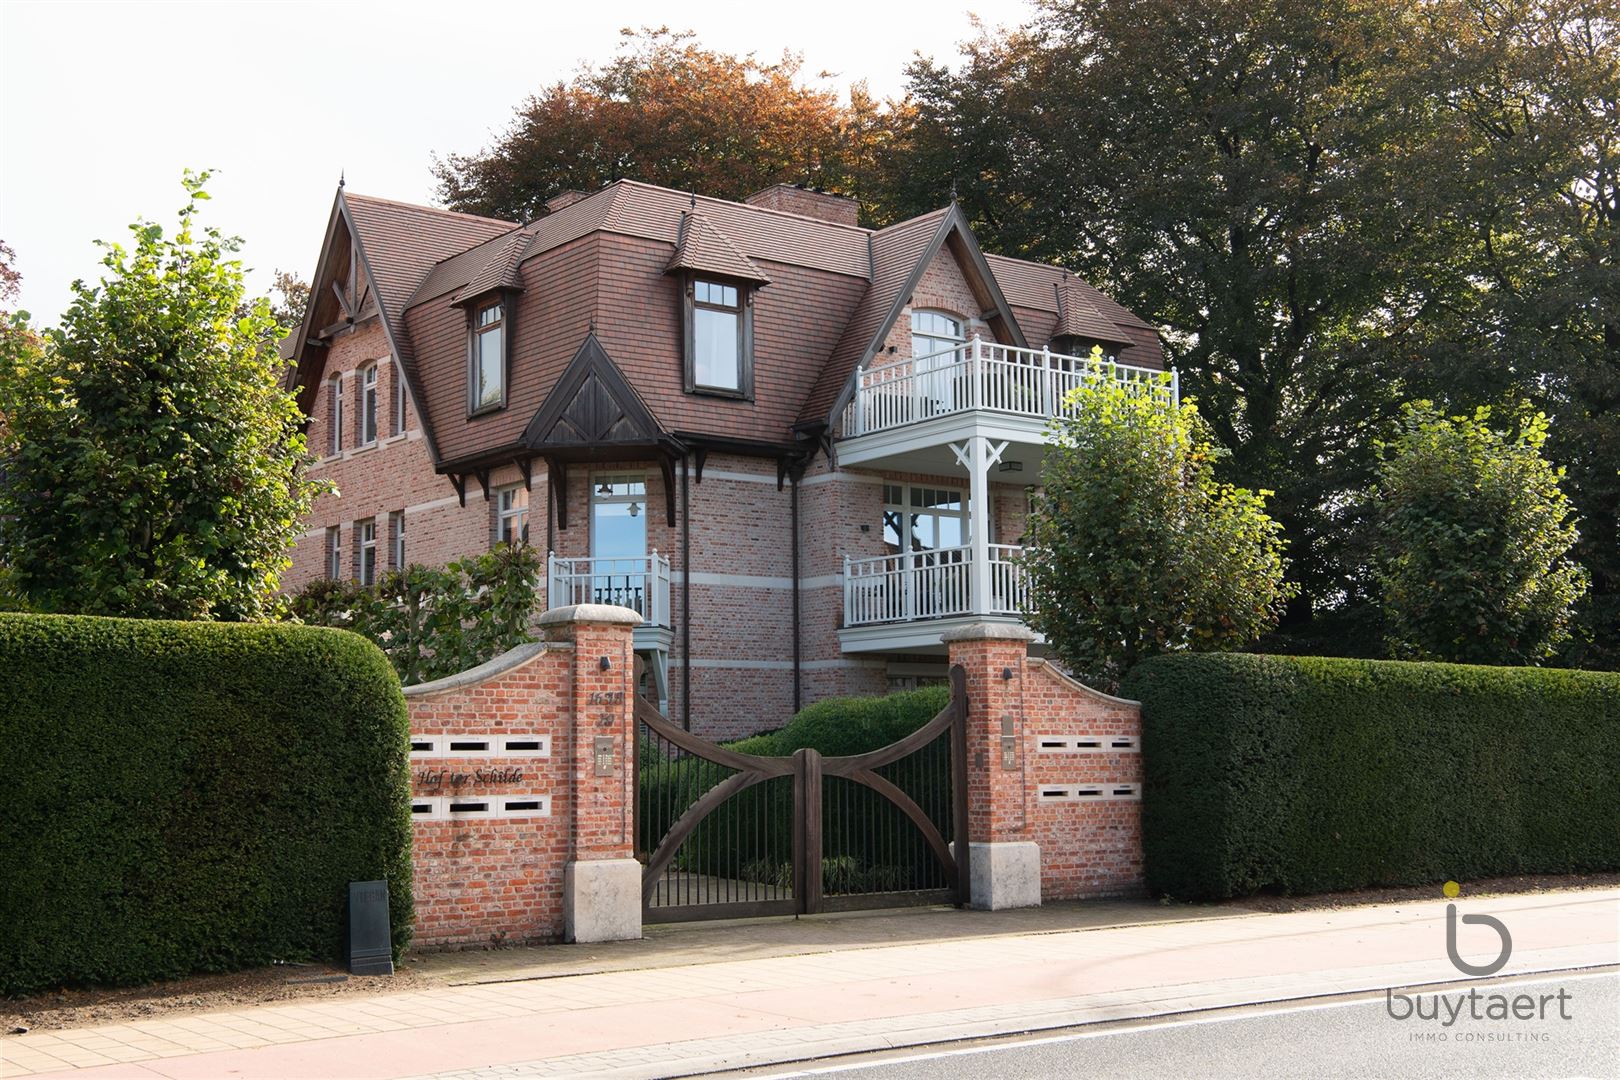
(989,631)
(599,614)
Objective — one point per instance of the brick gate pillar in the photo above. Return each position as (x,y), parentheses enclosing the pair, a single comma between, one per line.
(1005,861)
(602,879)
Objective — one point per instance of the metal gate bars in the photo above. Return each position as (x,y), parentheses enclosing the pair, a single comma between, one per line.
(724,833)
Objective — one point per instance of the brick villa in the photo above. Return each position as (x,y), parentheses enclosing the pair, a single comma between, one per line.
(800,448)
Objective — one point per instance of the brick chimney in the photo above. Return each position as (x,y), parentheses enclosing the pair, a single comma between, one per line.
(806,202)
(567,198)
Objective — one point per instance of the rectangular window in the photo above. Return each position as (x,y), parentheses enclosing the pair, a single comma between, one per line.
(512,516)
(365,538)
(368,406)
(718,339)
(334,397)
(489,358)
(396,415)
(334,554)
(396,523)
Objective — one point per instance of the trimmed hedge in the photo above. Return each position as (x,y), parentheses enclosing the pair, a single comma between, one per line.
(191,797)
(1311,774)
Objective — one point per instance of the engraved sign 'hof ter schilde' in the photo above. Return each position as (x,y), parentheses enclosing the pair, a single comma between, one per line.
(370,945)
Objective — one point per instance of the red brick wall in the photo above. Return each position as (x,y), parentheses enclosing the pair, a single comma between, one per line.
(492,881)
(1091,845)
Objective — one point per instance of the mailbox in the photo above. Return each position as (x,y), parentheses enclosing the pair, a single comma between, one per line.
(371,950)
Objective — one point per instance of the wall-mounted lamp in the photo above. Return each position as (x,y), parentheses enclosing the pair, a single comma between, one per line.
(866,528)
(605,663)
(1011,466)
(1006,673)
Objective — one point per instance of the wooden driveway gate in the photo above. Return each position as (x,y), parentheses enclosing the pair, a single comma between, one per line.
(728,834)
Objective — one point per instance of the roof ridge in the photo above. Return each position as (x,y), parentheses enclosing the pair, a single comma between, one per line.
(431,209)
(743,205)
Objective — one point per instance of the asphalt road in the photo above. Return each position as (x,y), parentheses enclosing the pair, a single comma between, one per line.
(1354,1038)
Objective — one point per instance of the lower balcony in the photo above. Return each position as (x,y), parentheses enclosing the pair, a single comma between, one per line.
(905,602)
(640,584)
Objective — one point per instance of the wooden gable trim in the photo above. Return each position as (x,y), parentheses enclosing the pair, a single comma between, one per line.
(593,407)
(413,384)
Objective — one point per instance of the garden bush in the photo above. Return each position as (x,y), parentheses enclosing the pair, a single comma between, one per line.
(192,797)
(432,622)
(1310,774)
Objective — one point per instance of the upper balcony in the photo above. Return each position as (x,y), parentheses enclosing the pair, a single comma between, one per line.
(905,413)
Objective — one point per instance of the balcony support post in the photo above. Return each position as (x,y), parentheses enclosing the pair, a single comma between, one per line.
(978,455)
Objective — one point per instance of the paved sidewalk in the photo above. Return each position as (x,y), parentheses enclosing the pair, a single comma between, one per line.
(762,1009)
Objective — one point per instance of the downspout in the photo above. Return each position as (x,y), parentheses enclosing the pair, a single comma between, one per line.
(794,514)
(686,598)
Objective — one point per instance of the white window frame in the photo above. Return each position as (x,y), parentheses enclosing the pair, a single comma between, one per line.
(368,405)
(334,552)
(397,520)
(396,416)
(334,388)
(505,513)
(365,539)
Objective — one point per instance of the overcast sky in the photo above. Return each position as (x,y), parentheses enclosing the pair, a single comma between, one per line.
(102,105)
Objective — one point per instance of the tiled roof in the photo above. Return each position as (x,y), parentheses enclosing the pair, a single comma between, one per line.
(704,247)
(1078,316)
(895,253)
(500,269)
(1031,285)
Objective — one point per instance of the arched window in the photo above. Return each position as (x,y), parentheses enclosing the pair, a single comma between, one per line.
(934,332)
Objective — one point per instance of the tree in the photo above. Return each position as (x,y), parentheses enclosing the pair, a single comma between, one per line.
(1475,539)
(1136,548)
(153,464)
(1275,183)
(667,111)
(1542,203)
(289,296)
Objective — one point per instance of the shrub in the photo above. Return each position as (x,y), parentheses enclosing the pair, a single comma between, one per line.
(1135,548)
(433,622)
(1309,774)
(188,797)
(1475,537)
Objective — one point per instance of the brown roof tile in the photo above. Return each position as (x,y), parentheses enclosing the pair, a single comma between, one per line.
(704,247)
(500,270)
(895,253)
(1078,316)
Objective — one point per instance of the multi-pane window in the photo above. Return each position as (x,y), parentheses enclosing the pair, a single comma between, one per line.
(934,332)
(396,524)
(489,358)
(918,518)
(368,405)
(719,339)
(334,397)
(396,415)
(512,515)
(365,538)
(334,554)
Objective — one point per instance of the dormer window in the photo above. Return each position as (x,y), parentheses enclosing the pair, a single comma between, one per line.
(719,338)
(486,387)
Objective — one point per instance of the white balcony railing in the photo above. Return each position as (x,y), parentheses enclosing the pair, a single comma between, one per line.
(934,584)
(641,584)
(986,375)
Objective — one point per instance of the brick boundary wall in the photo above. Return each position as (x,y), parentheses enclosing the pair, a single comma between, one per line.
(521,771)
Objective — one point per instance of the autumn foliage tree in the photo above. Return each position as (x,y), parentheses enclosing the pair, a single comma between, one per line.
(668,111)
